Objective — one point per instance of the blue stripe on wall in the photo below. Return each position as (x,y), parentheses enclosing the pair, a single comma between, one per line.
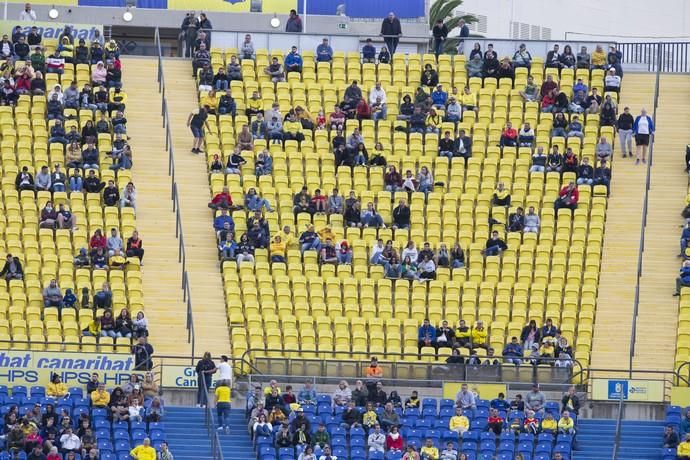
(157,4)
(115,3)
(365,8)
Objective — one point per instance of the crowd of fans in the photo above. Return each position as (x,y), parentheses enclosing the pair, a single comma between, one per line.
(316,426)
(58,422)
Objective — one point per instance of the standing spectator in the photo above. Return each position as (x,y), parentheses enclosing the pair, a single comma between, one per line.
(205,26)
(324,52)
(196,121)
(625,131)
(440,33)
(143,354)
(391,32)
(27,14)
(643,129)
(204,370)
(223,405)
(294,23)
(464,33)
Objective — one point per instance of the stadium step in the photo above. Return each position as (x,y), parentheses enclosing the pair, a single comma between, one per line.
(238,444)
(187,434)
(155,221)
(615,301)
(666,198)
(639,439)
(191,173)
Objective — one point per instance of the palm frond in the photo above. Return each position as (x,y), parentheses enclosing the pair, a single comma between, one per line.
(442,9)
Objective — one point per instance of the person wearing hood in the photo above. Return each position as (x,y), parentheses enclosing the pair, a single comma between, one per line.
(294,23)
(99,74)
(475,66)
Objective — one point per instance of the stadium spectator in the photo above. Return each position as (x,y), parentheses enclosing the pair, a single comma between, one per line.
(585,173)
(671,440)
(465,399)
(553,58)
(294,23)
(516,220)
(530,92)
(535,399)
(643,129)
(440,33)
(143,352)
(197,121)
(389,419)
(508,136)
(324,52)
(275,71)
(391,32)
(52,295)
(568,197)
(459,422)
(293,61)
(368,52)
(501,196)
(494,245)
(522,57)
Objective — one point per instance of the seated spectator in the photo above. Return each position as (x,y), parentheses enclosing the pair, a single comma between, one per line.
(526,136)
(579,103)
(293,61)
(65,218)
(343,394)
(505,70)
(446,146)
(479,335)
(406,108)
(235,161)
(328,253)
(427,269)
(371,218)
(568,197)
(559,126)
(425,180)
(56,389)
(554,161)
(538,161)
(575,128)
(608,113)
(324,52)
(683,279)
(535,399)
(275,71)
(464,399)
(532,221)
(570,161)
(457,256)
(226,104)
(439,97)
(509,136)
(612,82)
(428,452)
(602,175)
(309,240)
(566,425)
(475,66)
(671,440)
(585,173)
(549,425)
(530,93)
(603,149)
(522,57)
(234,72)
(491,65)
(501,196)
(429,76)
(494,245)
(495,422)
(368,52)
(516,220)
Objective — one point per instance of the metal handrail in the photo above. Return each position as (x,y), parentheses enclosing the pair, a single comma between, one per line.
(216,451)
(619,423)
(174,196)
(645,209)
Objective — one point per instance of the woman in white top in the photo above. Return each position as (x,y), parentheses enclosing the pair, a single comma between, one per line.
(410,251)
(425,180)
(643,129)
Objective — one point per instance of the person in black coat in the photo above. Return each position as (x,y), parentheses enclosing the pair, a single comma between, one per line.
(391,32)
(378,397)
(12,269)
(530,334)
(429,76)
(440,33)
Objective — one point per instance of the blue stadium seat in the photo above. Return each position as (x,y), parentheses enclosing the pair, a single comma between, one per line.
(670,410)
(357,453)
(543,448)
(340,452)
(19,390)
(285,453)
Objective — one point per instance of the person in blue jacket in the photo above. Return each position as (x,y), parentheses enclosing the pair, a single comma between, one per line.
(684,240)
(427,335)
(683,279)
(293,61)
(219,221)
(324,52)
(643,129)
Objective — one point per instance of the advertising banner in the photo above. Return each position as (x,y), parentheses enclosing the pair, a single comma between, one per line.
(631,390)
(53,30)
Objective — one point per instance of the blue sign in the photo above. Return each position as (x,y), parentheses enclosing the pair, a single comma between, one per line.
(618,388)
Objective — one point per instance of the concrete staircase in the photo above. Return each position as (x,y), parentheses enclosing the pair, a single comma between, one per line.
(238,444)
(187,434)
(639,439)
(155,220)
(210,313)
(666,199)
(616,298)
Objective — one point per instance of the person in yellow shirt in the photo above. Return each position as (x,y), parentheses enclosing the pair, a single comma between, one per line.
(459,423)
(223,395)
(326,233)
(369,418)
(100,397)
(144,451)
(479,335)
(56,389)
(210,100)
(433,123)
(429,451)
(683,450)
(469,99)
(278,248)
(254,104)
(463,335)
(291,242)
(292,129)
(273,384)
(501,195)
(598,58)
(566,425)
(549,424)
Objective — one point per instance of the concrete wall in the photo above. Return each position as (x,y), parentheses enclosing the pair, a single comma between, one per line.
(244,22)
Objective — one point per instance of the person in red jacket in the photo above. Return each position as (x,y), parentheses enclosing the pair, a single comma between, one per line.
(568,197)
(495,422)
(98,241)
(222,200)
(509,136)
(394,440)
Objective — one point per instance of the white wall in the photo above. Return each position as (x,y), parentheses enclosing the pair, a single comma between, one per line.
(612,19)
